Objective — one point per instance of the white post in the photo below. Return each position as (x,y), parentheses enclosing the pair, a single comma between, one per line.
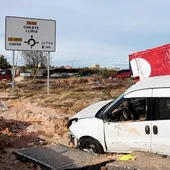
(13,71)
(48,73)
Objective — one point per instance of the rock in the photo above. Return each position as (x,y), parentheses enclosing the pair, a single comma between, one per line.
(35,128)
(31,166)
(31,144)
(3,151)
(8,89)
(41,142)
(19,79)
(39,168)
(103,168)
(15,162)
(164,156)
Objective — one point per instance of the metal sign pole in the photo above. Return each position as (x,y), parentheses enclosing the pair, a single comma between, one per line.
(13,71)
(48,73)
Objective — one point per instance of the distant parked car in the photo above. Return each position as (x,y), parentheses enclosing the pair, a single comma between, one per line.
(126,73)
(59,75)
(55,75)
(5,75)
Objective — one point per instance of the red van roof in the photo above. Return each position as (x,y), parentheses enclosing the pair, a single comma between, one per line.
(159,48)
(151,62)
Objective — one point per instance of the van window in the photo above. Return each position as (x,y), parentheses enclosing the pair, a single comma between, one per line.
(130,109)
(140,106)
(163,109)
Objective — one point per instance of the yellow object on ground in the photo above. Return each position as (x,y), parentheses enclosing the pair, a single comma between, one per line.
(126,157)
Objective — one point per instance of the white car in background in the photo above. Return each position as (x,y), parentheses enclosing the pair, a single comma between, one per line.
(142,125)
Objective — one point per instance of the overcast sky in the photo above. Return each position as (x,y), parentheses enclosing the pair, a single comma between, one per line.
(95,31)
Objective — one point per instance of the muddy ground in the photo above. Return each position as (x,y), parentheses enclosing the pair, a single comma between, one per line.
(34,118)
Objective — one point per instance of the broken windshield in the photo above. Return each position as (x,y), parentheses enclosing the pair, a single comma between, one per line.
(115,102)
(108,106)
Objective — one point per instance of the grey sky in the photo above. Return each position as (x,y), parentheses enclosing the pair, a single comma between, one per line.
(96,31)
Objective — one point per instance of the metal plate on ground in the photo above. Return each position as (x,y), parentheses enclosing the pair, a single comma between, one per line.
(58,157)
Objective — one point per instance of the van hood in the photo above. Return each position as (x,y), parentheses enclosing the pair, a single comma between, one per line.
(90,111)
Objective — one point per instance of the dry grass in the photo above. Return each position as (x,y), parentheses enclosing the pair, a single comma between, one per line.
(69,96)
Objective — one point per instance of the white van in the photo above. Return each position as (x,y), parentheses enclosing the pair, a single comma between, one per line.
(138,120)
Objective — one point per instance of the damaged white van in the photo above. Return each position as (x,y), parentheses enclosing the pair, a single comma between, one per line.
(139,119)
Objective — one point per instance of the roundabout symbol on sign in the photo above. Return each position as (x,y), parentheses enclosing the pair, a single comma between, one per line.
(31,42)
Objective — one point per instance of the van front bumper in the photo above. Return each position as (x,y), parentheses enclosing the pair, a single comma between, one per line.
(72,140)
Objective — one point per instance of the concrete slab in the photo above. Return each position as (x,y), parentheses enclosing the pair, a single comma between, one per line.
(60,157)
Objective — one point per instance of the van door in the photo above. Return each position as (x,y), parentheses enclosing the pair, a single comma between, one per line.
(160,141)
(128,135)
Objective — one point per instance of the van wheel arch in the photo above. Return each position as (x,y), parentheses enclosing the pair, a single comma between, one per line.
(87,141)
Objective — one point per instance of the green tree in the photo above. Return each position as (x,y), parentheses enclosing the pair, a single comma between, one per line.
(4,64)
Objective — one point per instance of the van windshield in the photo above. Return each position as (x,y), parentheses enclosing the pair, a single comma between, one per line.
(115,102)
(108,106)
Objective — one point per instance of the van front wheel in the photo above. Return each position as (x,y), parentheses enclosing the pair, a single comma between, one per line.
(91,145)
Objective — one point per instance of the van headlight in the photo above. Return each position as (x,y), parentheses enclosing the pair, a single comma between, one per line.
(71,121)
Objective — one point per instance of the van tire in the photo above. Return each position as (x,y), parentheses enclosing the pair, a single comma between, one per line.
(91,145)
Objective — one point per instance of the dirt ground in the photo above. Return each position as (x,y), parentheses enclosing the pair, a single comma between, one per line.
(34,118)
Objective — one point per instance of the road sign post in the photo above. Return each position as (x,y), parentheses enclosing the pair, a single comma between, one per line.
(48,73)
(30,34)
(13,72)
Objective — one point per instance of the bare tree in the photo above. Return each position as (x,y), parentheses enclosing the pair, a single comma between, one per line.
(34,58)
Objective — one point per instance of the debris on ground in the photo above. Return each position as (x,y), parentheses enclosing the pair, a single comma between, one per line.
(126,158)
(19,79)
(32,118)
(143,161)
(12,136)
(3,105)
